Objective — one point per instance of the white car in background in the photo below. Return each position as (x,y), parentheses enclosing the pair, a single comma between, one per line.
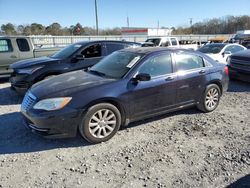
(221,51)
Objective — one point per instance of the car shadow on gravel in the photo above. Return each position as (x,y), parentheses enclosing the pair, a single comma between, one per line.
(16,138)
(4,79)
(9,97)
(187,111)
(243,182)
(238,86)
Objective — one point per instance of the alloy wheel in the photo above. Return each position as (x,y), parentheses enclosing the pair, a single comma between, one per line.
(212,98)
(102,123)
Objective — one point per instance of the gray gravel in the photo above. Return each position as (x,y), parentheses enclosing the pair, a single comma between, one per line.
(182,149)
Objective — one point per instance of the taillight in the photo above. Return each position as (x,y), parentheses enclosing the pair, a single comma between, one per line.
(226,70)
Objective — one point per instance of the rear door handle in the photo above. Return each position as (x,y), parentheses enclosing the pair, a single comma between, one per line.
(169,78)
(202,72)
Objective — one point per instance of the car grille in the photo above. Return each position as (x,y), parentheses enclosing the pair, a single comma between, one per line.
(28,101)
(240,64)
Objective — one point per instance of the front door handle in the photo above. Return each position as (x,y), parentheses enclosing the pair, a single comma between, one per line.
(169,78)
(202,72)
(13,56)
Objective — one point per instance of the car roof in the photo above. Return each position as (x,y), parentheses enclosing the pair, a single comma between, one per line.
(149,50)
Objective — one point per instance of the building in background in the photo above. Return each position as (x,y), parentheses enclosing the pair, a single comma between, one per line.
(146,31)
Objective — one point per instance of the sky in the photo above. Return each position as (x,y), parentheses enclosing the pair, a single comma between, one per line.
(113,13)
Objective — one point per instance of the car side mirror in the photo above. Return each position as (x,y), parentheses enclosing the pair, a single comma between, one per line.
(79,57)
(142,77)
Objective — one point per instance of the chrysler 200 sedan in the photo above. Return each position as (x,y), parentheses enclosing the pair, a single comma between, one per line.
(126,86)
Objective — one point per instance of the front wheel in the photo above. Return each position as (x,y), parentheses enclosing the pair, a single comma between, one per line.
(210,99)
(100,123)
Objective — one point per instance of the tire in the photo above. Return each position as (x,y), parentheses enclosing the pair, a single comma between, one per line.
(100,123)
(210,99)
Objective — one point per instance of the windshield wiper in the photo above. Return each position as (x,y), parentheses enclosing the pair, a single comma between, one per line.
(97,72)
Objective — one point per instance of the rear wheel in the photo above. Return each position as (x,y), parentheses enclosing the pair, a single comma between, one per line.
(100,123)
(210,99)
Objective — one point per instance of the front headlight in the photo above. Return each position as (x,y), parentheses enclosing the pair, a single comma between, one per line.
(52,104)
(28,70)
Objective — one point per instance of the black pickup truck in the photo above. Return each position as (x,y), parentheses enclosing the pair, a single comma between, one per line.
(239,65)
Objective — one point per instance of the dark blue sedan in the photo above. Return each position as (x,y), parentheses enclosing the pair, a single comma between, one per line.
(126,86)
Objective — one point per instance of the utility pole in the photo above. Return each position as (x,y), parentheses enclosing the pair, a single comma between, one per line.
(127,21)
(158,26)
(191,21)
(96,18)
(191,24)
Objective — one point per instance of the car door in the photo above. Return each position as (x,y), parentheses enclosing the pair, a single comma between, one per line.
(91,54)
(192,77)
(8,55)
(157,94)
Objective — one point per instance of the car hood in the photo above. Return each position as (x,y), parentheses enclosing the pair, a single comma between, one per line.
(242,54)
(66,84)
(31,62)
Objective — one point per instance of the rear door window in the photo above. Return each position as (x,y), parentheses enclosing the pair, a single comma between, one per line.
(188,62)
(5,46)
(92,51)
(157,66)
(111,47)
(23,45)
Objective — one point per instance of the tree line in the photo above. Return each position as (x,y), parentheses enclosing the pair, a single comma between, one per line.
(54,29)
(223,25)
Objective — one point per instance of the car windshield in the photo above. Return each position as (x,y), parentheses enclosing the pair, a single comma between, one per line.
(155,41)
(67,51)
(116,65)
(212,48)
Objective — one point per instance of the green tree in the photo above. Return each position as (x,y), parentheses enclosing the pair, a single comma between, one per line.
(54,29)
(20,29)
(8,29)
(27,30)
(37,29)
(78,29)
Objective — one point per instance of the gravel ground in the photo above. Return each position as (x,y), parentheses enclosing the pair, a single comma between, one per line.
(182,149)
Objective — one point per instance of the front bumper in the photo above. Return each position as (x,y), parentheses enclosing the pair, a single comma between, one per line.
(20,82)
(55,124)
(239,74)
